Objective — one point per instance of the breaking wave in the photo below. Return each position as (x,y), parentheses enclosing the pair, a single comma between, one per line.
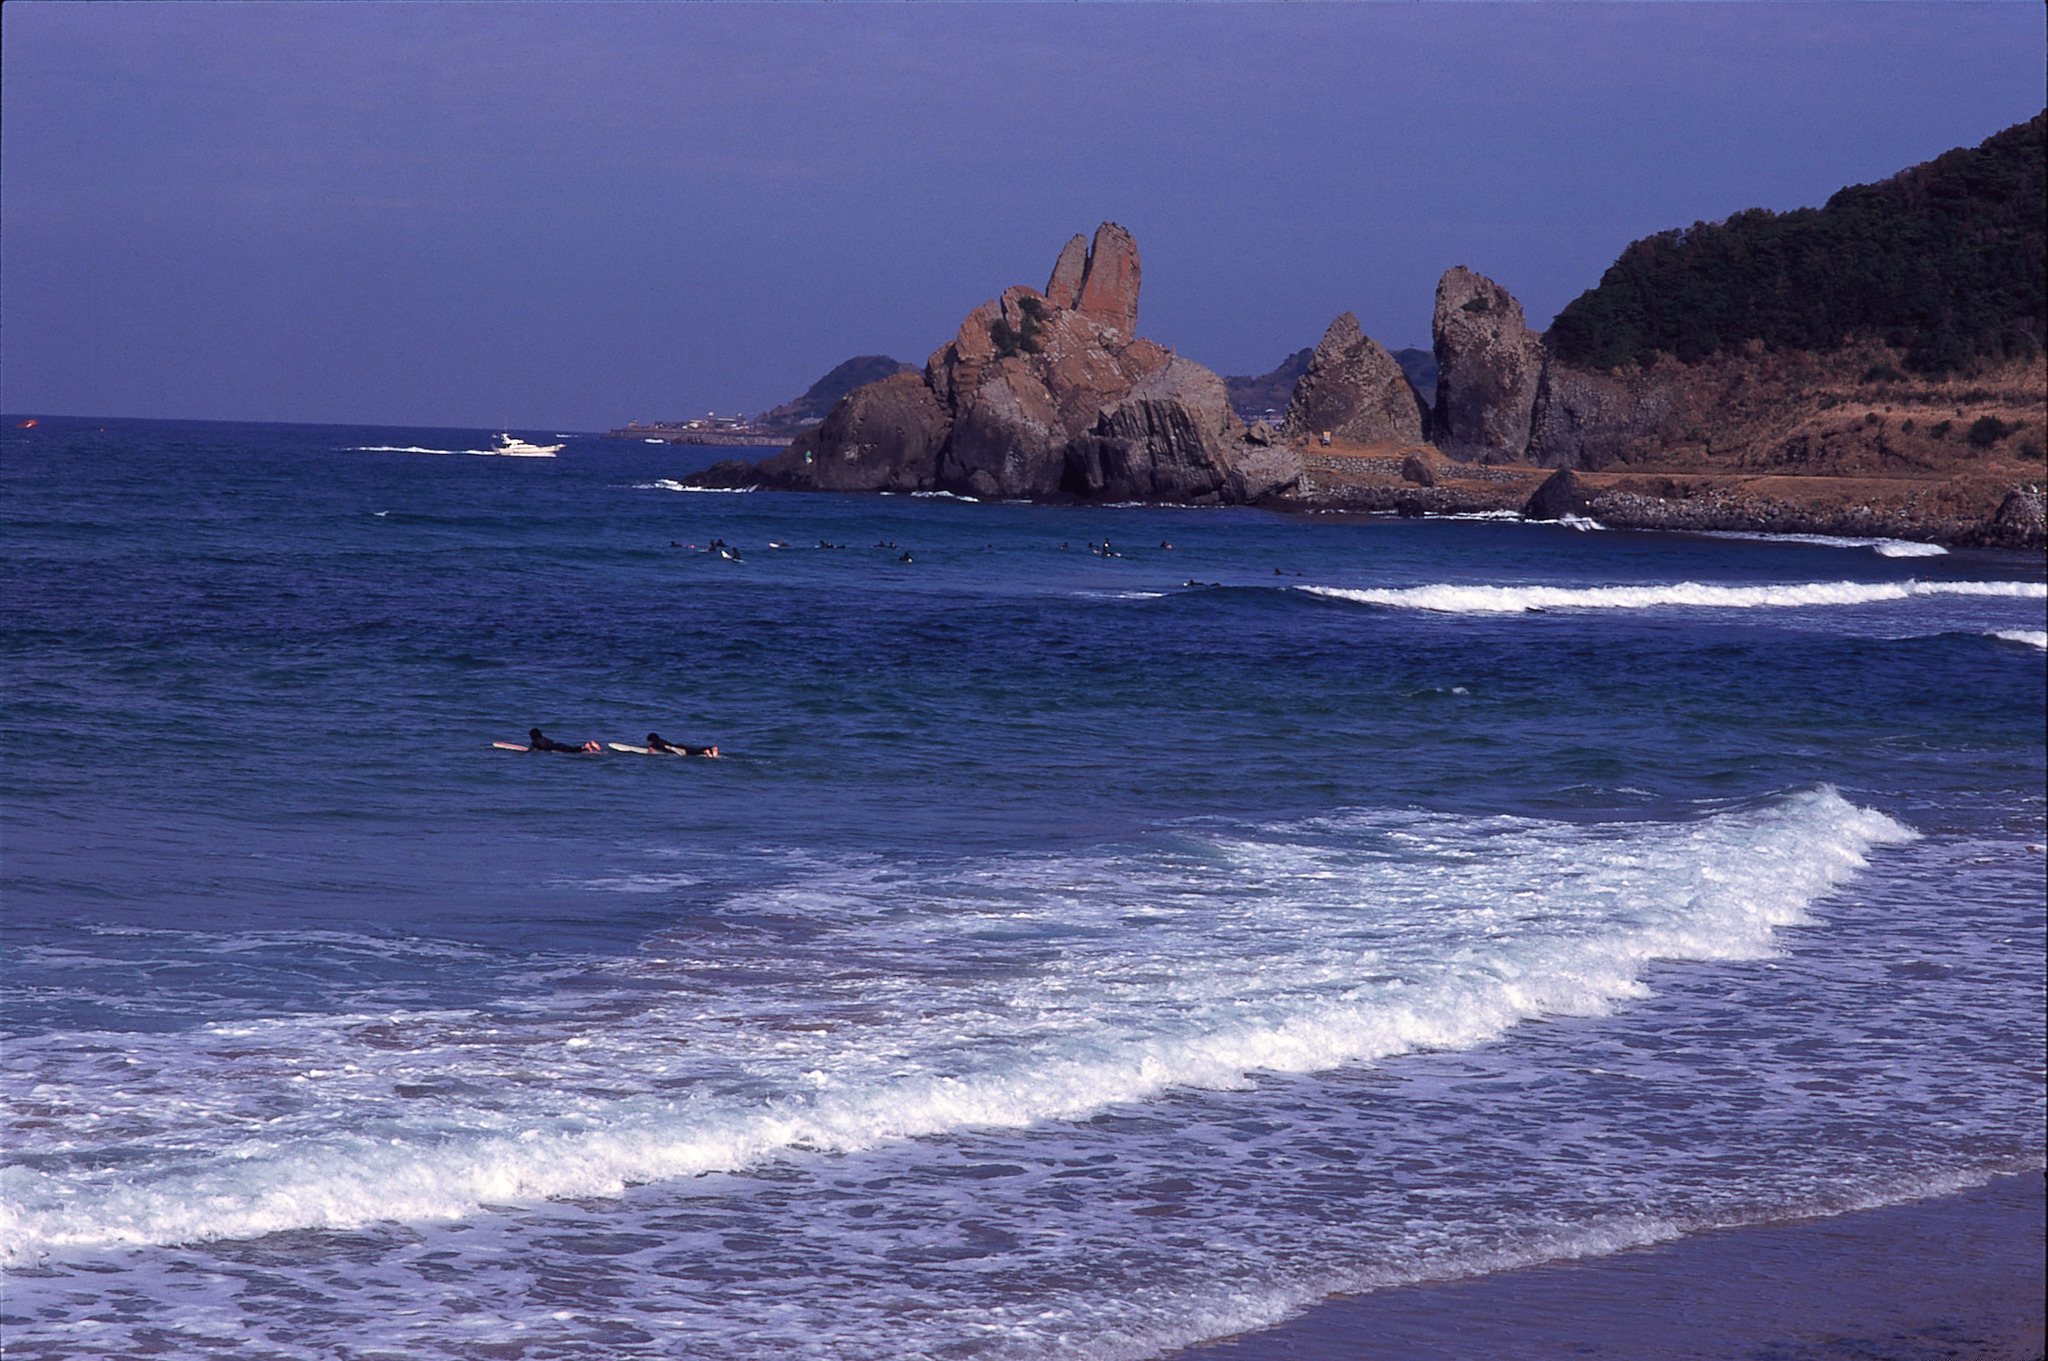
(992,994)
(670,484)
(419,449)
(1466,599)
(1884,548)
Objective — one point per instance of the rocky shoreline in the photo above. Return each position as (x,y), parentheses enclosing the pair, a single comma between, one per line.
(1417,481)
(1052,396)
(1951,514)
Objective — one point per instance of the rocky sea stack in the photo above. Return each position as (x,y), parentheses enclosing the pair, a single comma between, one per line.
(1488,362)
(1041,395)
(1354,390)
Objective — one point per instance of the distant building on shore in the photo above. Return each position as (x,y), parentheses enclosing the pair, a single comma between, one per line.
(710,428)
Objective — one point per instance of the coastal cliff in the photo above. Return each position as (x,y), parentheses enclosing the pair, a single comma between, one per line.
(1871,367)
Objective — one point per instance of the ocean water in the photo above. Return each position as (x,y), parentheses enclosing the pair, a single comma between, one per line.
(1072,954)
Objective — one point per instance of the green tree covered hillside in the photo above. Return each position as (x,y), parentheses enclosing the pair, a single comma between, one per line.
(1946,261)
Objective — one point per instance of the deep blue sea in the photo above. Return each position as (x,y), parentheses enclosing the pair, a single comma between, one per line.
(1071,954)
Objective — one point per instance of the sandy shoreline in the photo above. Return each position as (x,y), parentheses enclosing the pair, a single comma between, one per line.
(1957,1276)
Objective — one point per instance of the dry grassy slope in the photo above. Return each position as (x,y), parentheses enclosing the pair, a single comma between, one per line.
(1824,415)
(1843,442)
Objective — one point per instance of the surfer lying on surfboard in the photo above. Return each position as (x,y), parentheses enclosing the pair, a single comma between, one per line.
(540,743)
(655,746)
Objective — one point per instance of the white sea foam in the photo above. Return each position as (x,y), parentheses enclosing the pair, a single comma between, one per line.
(2031,637)
(670,484)
(995,995)
(1884,548)
(1471,599)
(634,883)
(418,449)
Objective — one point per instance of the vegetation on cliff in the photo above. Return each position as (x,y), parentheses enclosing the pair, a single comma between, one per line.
(1947,261)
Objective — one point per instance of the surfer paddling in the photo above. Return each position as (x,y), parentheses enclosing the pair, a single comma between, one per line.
(655,746)
(537,742)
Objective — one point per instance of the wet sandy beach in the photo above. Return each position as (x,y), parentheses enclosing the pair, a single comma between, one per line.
(1952,1277)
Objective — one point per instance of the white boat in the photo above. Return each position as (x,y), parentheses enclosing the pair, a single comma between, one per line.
(519,448)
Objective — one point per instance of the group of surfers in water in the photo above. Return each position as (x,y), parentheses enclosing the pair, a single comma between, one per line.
(538,741)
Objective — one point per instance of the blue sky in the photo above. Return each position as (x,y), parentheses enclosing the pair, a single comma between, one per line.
(569,216)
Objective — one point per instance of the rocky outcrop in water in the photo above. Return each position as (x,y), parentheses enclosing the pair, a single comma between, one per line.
(1023,378)
(1040,395)
(2019,521)
(1355,390)
(1560,495)
(1488,364)
(883,436)
(1174,437)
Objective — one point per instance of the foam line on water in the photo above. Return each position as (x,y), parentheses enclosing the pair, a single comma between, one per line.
(1458,598)
(2031,637)
(420,449)
(1884,548)
(1097,982)
(670,484)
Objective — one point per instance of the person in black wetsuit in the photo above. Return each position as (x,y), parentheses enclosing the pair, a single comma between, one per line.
(536,742)
(655,744)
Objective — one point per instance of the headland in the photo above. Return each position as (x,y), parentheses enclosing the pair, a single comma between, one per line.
(1874,367)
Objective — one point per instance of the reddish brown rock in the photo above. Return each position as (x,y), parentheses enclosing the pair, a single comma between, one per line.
(1488,363)
(1039,394)
(1109,292)
(1023,377)
(1063,290)
(1355,390)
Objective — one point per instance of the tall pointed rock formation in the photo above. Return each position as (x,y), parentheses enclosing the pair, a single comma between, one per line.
(1488,363)
(1355,390)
